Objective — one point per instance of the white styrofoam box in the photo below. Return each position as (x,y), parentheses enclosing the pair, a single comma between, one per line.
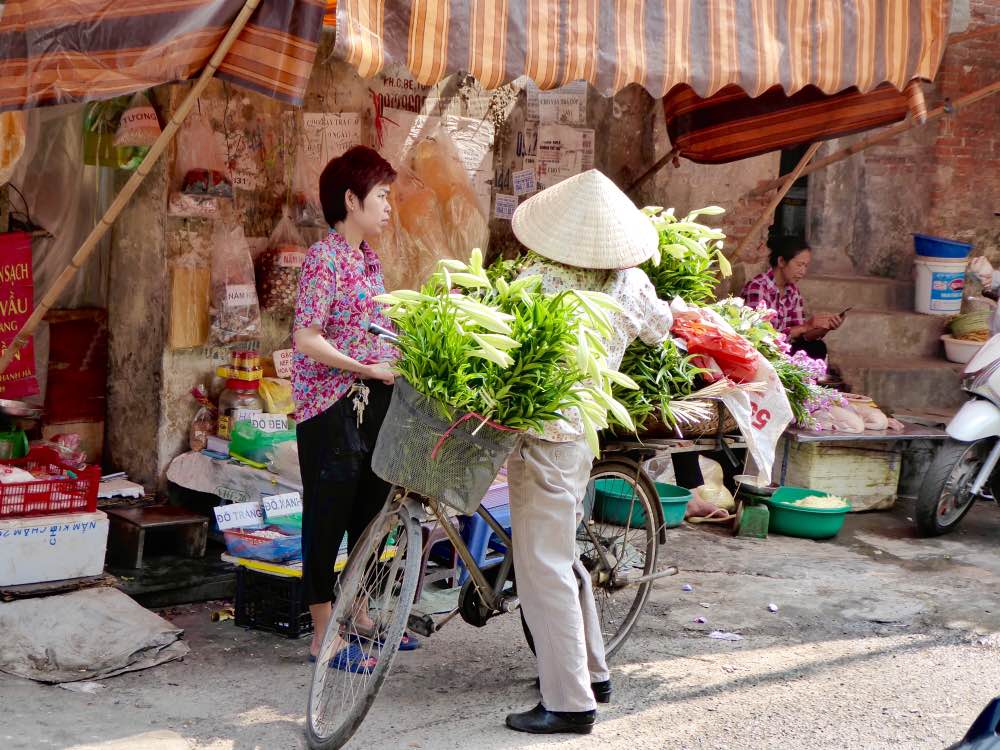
(52,548)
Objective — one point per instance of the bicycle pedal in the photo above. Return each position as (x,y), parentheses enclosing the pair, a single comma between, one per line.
(422,625)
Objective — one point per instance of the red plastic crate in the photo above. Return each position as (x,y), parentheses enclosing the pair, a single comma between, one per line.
(49,496)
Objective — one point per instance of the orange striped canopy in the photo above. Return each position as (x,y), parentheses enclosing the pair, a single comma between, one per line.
(754,45)
(54,52)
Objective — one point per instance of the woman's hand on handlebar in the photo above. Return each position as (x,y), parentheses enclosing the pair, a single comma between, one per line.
(379,371)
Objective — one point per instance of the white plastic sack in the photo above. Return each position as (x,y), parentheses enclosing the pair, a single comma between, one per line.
(762,418)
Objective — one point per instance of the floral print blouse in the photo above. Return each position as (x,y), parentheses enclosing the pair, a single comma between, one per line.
(642,316)
(337,289)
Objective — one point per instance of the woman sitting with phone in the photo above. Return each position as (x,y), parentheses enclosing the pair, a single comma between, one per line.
(777,290)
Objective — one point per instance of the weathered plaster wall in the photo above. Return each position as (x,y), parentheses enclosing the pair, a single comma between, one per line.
(137,302)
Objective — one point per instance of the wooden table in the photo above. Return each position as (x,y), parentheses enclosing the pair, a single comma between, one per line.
(129,527)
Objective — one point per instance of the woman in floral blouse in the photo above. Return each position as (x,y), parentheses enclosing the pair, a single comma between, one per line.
(342,381)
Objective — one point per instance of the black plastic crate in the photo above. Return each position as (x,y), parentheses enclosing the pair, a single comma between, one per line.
(272,603)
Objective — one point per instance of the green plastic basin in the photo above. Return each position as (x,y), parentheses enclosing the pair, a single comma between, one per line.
(613,503)
(806,523)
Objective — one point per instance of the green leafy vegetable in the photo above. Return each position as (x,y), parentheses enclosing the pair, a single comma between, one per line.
(506,351)
(690,260)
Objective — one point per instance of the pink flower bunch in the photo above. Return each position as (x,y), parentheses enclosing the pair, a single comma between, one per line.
(765,312)
(823,398)
(815,367)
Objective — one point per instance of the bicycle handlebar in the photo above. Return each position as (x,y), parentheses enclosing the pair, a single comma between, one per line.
(382,333)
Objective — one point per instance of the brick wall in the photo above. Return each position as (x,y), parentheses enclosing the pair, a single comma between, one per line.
(965,186)
(943,178)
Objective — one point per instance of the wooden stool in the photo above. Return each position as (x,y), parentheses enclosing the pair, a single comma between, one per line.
(129,526)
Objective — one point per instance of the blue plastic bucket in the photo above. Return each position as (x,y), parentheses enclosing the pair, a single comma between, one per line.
(939,247)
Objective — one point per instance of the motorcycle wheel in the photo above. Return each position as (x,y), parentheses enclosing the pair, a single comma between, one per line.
(944,497)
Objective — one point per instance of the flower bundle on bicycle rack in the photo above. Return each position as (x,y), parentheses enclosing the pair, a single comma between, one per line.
(483,359)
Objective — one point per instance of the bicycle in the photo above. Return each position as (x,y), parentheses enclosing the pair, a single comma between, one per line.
(382,574)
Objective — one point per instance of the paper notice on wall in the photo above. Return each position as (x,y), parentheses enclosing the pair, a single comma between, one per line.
(523,181)
(395,88)
(562,152)
(326,135)
(564,106)
(505,206)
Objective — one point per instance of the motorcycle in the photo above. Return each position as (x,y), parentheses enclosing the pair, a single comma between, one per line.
(964,468)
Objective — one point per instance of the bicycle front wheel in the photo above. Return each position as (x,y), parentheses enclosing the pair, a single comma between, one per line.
(617,541)
(378,583)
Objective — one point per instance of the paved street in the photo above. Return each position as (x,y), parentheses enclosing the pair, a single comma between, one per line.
(880,641)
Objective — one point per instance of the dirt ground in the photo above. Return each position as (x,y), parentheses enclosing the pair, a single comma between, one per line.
(880,640)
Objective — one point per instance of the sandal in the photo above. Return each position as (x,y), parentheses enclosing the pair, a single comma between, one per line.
(406,643)
(350,659)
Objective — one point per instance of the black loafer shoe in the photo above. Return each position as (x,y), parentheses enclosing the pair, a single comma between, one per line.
(602,690)
(541,721)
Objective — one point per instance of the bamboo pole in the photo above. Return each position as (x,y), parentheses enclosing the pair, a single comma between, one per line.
(123,197)
(786,183)
(884,135)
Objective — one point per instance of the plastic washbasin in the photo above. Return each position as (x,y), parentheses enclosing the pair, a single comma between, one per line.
(938,247)
(806,523)
(613,503)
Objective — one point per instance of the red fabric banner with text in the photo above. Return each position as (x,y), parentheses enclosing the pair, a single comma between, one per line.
(17,300)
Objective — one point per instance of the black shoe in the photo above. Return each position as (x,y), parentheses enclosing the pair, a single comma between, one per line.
(602,690)
(539,720)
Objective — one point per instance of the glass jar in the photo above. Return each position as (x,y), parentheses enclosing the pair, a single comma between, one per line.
(240,401)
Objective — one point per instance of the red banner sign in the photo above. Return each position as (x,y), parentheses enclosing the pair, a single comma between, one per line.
(17,300)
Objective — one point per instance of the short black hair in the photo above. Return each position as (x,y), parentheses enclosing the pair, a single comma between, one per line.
(359,169)
(785,248)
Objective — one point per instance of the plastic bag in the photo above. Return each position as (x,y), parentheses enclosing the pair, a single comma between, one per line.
(190,289)
(279,266)
(305,189)
(235,310)
(200,168)
(286,461)
(734,355)
(255,445)
(139,125)
(714,489)
(205,421)
(277,395)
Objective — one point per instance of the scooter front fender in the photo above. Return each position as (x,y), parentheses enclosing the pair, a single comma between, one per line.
(976,420)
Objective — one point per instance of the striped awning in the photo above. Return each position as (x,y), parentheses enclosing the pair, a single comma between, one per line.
(753,44)
(54,52)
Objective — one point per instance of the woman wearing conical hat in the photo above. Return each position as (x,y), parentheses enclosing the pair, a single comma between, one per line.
(587,235)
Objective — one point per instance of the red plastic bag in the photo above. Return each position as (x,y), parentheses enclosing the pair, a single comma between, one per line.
(734,355)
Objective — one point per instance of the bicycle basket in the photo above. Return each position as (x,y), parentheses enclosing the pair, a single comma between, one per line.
(467,459)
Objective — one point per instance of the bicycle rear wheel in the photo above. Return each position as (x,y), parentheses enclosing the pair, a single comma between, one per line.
(380,578)
(619,545)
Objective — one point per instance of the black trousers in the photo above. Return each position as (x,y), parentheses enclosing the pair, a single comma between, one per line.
(341,494)
(815,349)
(687,472)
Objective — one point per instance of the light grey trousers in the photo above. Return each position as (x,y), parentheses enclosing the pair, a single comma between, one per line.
(547,483)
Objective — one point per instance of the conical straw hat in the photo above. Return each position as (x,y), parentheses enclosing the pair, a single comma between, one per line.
(587,222)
